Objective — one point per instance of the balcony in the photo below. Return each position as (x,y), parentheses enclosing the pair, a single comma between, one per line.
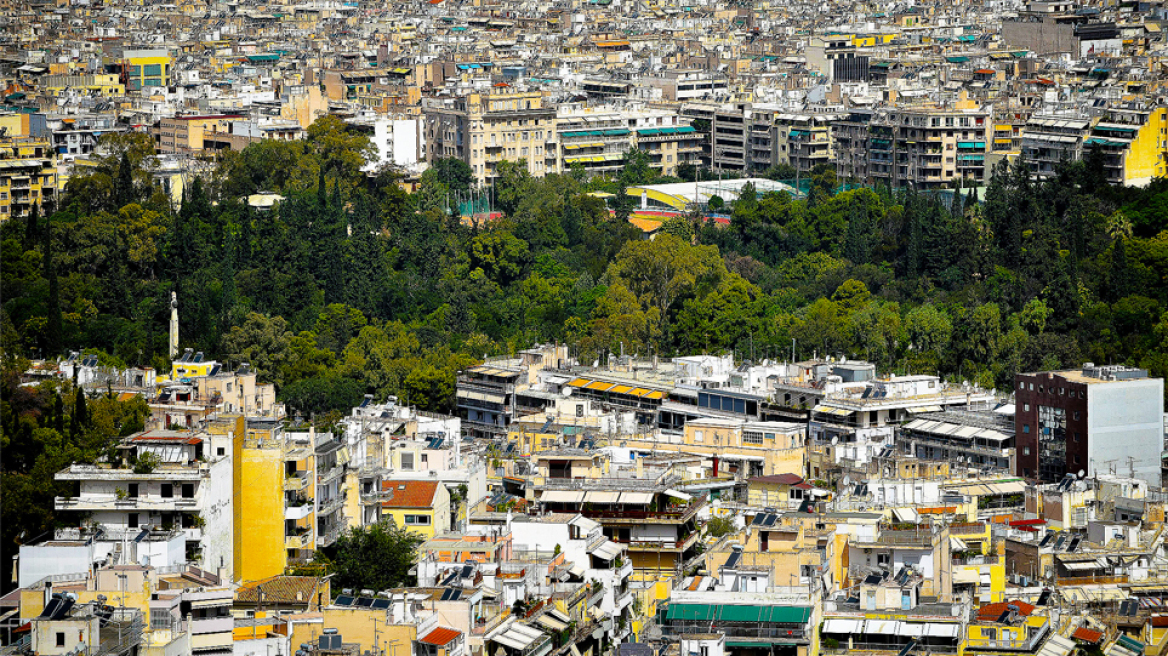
(678,515)
(107,502)
(328,537)
(301,541)
(295,483)
(660,545)
(330,506)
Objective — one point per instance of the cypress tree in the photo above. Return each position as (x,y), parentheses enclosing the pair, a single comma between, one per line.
(30,229)
(124,184)
(53,330)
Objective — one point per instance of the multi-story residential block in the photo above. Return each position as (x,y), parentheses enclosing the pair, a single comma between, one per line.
(168,480)
(1097,419)
(143,69)
(852,426)
(636,506)
(1133,142)
(929,148)
(486,129)
(28,176)
(1049,140)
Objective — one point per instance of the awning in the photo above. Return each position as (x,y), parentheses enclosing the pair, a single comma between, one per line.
(679,495)
(907,515)
(479,396)
(577,570)
(925,408)
(911,630)
(966,576)
(607,550)
(1083,565)
(636,498)
(1057,646)
(211,603)
(562,496)
(956,544)
(881,627)
(938,630)
(843,626)
(602,497)
(739,613)
(550,622)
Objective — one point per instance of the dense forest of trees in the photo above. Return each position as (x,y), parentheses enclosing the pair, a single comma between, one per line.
(353,285)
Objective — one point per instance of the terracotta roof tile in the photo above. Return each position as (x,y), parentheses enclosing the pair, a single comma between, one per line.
(1089,635)
(410,494)
(440,636)
(279,589)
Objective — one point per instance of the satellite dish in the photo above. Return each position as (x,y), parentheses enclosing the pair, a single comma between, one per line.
(1082,474)
(567,391)
(834,441)
(847,480)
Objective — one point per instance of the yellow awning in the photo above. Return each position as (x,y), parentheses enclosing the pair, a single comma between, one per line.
(571,146)
(655,395)
(598,385)
(579,382)
(639,392)
(1002,141)
(620,389)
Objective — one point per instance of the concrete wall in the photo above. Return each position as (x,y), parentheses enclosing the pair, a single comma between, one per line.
(218,541)
(38,562)
(1125,428)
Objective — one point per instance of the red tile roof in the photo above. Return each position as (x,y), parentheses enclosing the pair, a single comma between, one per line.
(410,494)
(1090,635)
(991,612)
(440,636)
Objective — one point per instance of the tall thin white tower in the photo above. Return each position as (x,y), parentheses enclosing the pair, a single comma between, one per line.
(173,325)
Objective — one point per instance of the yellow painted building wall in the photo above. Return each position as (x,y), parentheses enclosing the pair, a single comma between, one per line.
(1144,160)
(259,509)
(398,517)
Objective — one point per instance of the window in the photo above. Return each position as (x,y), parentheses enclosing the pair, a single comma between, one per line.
(1026,428)
(1077,459)
(407,461)
(188,490)
(1025,450)
(698,437)
(60,638)
(167,490)
(417,520)
(1076,418)
(220,451)
(751,437)
(133,491)
(132,520)
(425,458)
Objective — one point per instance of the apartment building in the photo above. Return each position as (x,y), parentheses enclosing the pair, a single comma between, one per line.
(1096,419)
(851,427)
(167,480)
(1048,140)
(804,140)
(929,147)
(1133,141)
(28,176)
(142,69)
(484,129)
(636,506)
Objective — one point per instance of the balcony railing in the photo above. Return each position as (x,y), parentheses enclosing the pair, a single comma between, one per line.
(792,633)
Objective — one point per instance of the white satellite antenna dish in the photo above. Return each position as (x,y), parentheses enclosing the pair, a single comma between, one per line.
(567,391)
(1081,474)
(834,441)
(847,480)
